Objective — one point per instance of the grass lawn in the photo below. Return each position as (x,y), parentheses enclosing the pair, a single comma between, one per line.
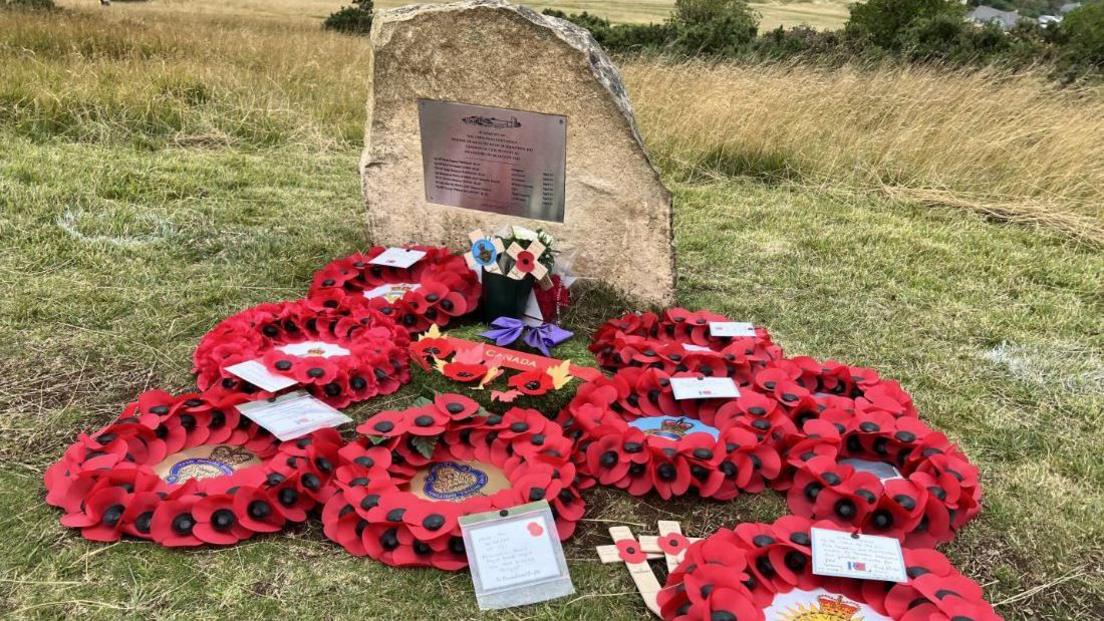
(117,259)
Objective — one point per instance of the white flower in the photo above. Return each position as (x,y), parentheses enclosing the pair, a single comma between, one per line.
(520,232)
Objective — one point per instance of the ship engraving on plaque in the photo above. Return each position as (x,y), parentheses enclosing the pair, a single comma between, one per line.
(499,160)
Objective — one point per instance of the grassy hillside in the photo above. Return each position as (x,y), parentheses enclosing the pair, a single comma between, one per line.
(162,168)
(1013,146)
(817,13)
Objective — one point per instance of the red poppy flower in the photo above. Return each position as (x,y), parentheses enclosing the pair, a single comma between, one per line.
(630,552)
(427,521)
(173,523)
(526,262)
(388,423)
(673,543)
(424,349)
(255,510)
(523,423)
(216,521)
(456,407)
(462,372)
(605,460)
(102,516)
(453,305)
(427,421)
(312,370)
(532,383)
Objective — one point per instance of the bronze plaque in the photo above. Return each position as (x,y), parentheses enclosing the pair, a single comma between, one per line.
(493,159)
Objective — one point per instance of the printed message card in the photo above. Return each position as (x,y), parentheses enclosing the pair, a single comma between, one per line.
(704,388)
(850,555)
(398,257)
(515,556)
(292,415)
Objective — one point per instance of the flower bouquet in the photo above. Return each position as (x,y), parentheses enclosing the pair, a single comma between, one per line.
(511,261)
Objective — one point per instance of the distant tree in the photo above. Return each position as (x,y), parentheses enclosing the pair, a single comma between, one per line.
(599,27)
(355,19)
(935,37)
(886,23)
(713,27)
(619,37)
(1082,32)
(28,5)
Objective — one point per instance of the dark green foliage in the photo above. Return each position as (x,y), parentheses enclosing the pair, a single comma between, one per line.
(916,31)
(713,27)
(355,19)
(28,5)
(887,23)
(1083,38)
(619,37)
(803,41)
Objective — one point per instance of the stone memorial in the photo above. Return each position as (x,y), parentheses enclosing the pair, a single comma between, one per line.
(485,114)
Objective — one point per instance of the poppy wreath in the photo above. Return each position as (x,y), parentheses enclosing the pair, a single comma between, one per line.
(632,434)
(739,573)
(678,340)
(339,357)
(433,291)
(888,476)
(108,485)
(804,386)
(376,511)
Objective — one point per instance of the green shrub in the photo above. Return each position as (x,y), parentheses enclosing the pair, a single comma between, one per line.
(619,37)
(801,41)
(1082,33)
(355,19)
(887,23)
(713,27)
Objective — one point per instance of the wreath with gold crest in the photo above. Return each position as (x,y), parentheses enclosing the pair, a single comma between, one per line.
(405,482)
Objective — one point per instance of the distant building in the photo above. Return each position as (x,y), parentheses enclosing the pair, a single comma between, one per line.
(1050,20)
(983,15)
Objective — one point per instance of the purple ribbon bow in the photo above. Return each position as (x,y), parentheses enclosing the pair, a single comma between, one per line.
(506,330)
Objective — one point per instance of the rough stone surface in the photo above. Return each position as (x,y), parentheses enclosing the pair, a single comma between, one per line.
(492,53)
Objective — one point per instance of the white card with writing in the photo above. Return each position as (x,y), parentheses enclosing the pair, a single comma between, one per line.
(885,472)
(731,328)
(398,257)
(292,415)
(255,372)
(515,556)
(704,388)
(865,557)
(391,292)
(690,347)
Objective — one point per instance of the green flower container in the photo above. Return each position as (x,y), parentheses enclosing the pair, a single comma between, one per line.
(504,297)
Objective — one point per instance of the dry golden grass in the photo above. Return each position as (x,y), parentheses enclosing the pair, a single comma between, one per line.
(1011,144)
(816,13)
(1014,146)
(150,71)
